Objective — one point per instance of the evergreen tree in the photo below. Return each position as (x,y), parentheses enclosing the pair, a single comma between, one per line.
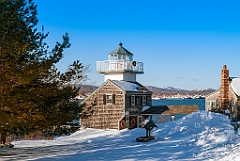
(35,96)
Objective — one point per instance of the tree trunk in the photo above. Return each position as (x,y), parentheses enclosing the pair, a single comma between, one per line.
(3,137)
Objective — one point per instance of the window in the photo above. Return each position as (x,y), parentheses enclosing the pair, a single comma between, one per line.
(140,119)
(211,105)
(109,99)
(127,120)
(112,57)
(133,100)
(149,100)
(144,100)
(138,100)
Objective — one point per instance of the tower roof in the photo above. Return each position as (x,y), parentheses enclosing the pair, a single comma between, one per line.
(120,51)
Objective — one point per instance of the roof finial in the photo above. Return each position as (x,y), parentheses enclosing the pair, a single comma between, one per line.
(120,44)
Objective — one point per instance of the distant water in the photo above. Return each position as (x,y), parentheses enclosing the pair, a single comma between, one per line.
(166,118)
(164,102)
(199,102)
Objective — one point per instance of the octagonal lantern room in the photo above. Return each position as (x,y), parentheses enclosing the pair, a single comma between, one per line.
(120,65)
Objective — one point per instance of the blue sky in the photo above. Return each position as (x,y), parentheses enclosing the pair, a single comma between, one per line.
(183,43)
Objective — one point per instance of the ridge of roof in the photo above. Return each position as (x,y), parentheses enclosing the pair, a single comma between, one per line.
(96,90)
(155,110)
(124,85)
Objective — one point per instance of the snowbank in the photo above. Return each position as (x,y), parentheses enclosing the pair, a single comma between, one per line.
(198,136)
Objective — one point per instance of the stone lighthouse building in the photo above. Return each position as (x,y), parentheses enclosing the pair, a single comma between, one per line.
(119,101)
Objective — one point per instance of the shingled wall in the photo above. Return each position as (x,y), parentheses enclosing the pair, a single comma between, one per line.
(105,115)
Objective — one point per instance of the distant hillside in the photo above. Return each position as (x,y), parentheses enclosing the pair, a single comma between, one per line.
(168,91)
(174,91)
(86,89)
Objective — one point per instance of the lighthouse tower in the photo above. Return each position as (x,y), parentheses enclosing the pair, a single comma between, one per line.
(120,65)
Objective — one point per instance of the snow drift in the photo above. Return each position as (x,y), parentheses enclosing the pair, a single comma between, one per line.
(199,136)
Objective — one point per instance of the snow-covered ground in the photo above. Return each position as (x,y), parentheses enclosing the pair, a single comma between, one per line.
(198,136)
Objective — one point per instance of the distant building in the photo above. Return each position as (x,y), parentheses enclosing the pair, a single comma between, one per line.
(227,98)
(120,99)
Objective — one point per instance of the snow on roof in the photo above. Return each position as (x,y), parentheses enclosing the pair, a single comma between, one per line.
(130,86)
(235,84)
(145,108)
(144,122)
